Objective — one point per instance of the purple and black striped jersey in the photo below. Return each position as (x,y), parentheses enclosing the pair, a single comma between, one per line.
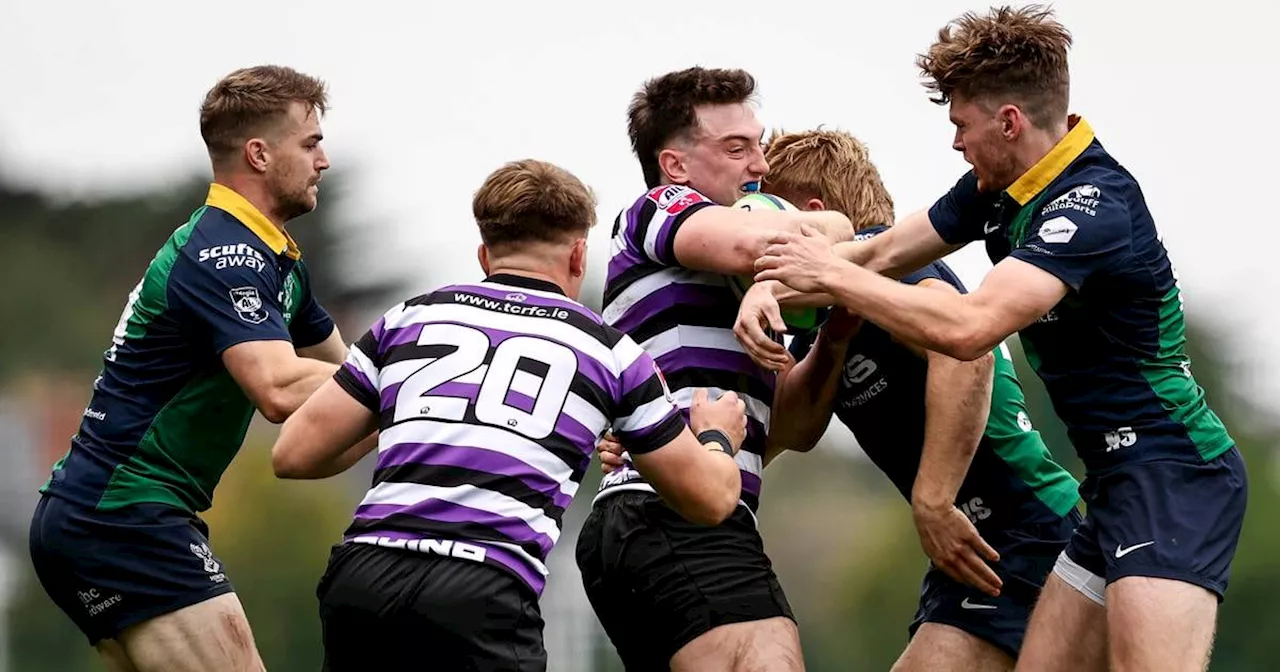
(684,319)
(491,399)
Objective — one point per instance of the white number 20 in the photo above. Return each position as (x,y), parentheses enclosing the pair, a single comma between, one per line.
(413,402)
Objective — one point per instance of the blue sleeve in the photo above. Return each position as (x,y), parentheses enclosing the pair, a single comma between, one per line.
(1084,231)
(959,215)
(228,305)
(938,270)
(311,323)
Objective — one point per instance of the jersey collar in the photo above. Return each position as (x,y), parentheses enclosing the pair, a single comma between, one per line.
(1047,169)
(226,199)
(525,282)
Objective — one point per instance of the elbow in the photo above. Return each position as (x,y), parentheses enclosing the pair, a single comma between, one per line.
(720,504)
(965,343)
(274,408)
(286,464)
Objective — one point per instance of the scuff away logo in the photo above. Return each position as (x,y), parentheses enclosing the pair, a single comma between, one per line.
(240,254)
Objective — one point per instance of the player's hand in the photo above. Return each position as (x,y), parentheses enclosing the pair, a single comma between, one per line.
(610,452)
(841,325)
(797,260)
(727,414)
(955,547)
(759,310)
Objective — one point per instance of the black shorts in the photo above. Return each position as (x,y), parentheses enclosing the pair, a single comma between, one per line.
(109,570)
(393,609)
(657,581)
(1166,519)
(1027,555)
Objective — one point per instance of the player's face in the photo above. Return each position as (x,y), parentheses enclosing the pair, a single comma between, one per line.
(980,138)
(726,155)
(297,161)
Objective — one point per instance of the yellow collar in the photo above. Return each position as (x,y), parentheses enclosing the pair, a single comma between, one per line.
(1070,147)
(226,199)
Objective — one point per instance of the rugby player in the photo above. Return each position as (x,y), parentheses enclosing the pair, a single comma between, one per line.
(490,398)
(1082,275)
(982,485)
(668,593)
(222,322)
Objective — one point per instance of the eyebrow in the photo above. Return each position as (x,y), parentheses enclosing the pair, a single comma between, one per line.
(730,137)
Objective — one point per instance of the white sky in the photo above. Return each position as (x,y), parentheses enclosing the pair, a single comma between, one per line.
(99,96)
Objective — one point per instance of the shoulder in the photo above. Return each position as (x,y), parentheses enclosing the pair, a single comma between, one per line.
(668,199)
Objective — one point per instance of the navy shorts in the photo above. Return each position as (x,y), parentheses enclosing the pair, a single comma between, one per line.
(108,570)
(1164,519)
(657,581)
(1027,556)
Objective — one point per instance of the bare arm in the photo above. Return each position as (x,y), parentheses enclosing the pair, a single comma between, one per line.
(274,377)
(328,434)
(909,245)
(331,349)
(805,396)
(728,240)
(699,481)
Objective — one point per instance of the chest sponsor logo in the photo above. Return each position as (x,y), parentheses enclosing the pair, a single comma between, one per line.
(1083,198)
(975,509)
(227,256)
(248,304)
(1120,438)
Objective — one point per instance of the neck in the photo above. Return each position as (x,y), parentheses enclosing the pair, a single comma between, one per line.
(253,190)
(526,268)
(1037,143)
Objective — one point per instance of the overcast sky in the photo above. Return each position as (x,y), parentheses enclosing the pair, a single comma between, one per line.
(102,96)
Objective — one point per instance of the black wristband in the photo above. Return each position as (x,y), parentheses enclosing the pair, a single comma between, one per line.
(716,436)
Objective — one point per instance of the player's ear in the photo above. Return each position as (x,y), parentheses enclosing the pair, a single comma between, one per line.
(482,253)
(673,165)
(1011,120)
(578,258)
(257,154)
(814,204)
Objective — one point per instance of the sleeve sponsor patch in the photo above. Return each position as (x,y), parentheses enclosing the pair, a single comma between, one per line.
(248,304)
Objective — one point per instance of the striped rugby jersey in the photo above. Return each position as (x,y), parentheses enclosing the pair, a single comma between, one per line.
(492,397)
(684,319)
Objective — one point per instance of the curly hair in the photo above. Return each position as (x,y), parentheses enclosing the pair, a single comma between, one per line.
(664,109)
(1009,54)
(833,166)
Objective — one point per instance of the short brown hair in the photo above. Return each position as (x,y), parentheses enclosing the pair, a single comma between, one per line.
(664,109)
(248,101)
(833,166)
(531,200)
(1018,54)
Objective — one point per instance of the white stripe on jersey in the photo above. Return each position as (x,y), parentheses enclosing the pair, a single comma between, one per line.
(646,416)
(626,352)
(655,227)
(357,358)
(483,437)
(525,325)
(685,336)
(408,494)
(586,414)
(653,282)
(755,408)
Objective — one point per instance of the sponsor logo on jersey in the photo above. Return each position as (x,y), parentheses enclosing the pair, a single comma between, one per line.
(1120,438)
(448,548)
(666,391)
(1057,230)
(675,199)
(248,304)
(227,256)
(1083,198)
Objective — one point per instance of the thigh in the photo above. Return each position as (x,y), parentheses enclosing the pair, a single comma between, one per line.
(111,570)
(113,656)
(212,636)
(936,647)
(998,623)
(1159,624)
(1067,632)
(772,644)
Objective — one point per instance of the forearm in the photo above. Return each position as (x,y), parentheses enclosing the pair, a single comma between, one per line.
(805,396)
(957,401)
(294,385)
(941,322)
(340,462)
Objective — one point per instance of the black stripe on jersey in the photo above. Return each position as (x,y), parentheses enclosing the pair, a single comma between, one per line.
(448,476)
(720,316)
(404,351)
(628,277)
(591,393)
(369,347)
(643,218)
(403,522)
(347,381)
(642,394)
(725,380)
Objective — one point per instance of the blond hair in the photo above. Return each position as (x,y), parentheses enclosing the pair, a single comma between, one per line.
(531,200)
(250,101)
(1008,55)
(833,166)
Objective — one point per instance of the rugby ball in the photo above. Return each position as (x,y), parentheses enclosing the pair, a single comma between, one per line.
(801,319)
